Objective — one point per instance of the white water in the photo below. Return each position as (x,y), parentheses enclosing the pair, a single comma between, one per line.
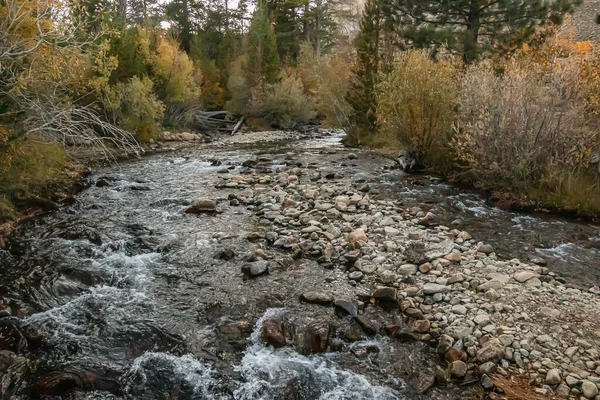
(266,373)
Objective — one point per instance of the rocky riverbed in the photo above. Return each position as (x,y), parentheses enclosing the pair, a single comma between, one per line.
(279,266)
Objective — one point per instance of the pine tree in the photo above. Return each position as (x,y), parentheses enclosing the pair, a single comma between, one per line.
(362,91)
(473,27)
(261,48)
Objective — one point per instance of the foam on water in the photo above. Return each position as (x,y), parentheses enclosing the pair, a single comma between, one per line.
(153,373)
(266,373)
(78,318)
(563,251)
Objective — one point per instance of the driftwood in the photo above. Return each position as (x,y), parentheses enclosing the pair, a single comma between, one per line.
(215,122)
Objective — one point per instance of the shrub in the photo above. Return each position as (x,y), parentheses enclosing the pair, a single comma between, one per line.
(239,88)
(31,171)
(135,107)
(326,81)
(416,103)
(175,73)
(520,127)
(283,104)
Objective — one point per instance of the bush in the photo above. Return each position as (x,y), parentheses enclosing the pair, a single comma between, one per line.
(520,127)
(417,104)
(283,104)
(533,129)
(326,81)
(175,74)
(135,107)
(31,171)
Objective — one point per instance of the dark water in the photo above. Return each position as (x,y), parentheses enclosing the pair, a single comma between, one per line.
(120,295)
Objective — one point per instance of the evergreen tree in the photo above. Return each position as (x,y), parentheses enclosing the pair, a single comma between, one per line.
(179,11)
(361,95)
(472,27)
(263,58)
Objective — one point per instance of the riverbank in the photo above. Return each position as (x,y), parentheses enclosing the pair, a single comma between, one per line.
(384,284)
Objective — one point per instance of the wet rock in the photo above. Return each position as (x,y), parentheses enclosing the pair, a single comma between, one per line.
(254,236)
(367,325)
(318,334)
(11,338)
(314,297)
(273,333)
(255,269)
(57,384)
(7,358)
(226,254)
(344,308)
(352,156)
(415,313)
(203,207)
(102,182)
(442,376)
(458,368)
(250,162)
(425,382)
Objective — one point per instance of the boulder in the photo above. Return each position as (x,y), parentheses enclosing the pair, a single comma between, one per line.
(203,207)
(273,333)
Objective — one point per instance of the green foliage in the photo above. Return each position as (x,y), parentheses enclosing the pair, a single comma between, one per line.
(136,108)
(239,87)
(261,48)
(417,102)
(361,95)
(132,51)
(31,171)
(473,27)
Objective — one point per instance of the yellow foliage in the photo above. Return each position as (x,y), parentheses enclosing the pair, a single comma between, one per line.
(175,71)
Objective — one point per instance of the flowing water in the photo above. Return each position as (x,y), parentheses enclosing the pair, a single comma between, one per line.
(120,296)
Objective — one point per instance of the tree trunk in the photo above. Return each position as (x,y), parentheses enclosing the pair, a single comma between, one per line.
(471,44)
